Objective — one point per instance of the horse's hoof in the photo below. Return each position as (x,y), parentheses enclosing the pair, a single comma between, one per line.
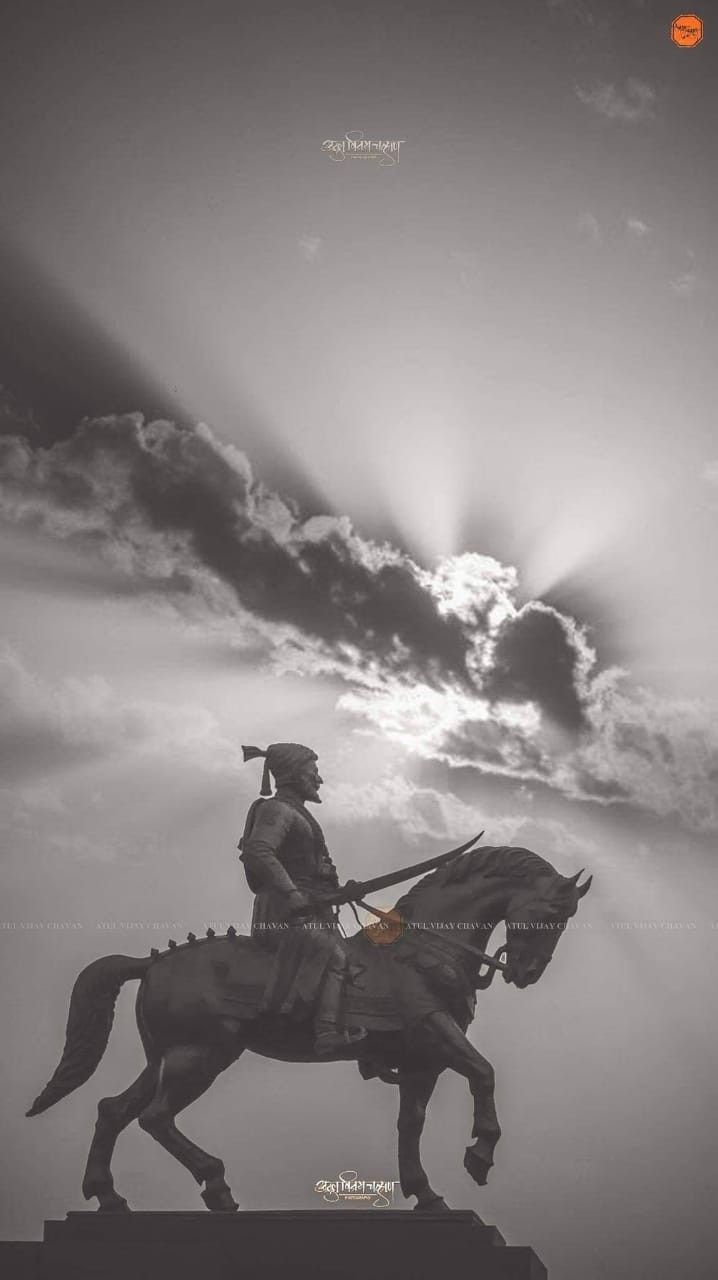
(119,1205)
(477,1166)
(437,1205)
(219,1200)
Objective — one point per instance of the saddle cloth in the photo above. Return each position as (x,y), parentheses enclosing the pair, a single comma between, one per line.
(388,987)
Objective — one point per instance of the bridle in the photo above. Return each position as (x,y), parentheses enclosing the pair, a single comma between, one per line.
(480,981)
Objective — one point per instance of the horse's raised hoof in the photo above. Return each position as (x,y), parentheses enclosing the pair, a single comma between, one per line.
(477,1166)
(219,1199)
(437,1205)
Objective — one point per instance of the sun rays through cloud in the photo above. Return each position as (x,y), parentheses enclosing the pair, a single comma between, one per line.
(397,441)
(447,662)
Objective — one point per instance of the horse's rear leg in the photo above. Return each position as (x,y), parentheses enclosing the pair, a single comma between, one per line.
(415,1090)
(113,1115)
(186,1072)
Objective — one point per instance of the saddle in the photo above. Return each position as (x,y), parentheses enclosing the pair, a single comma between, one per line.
(387,988)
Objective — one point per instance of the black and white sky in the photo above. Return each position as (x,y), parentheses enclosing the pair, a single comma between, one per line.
(415,462)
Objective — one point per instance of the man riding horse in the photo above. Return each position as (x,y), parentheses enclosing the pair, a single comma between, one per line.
(289,869)
(197,1006)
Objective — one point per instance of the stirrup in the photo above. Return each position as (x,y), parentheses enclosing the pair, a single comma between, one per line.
(331,1040)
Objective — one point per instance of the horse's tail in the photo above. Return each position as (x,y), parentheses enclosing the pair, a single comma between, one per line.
(89,1022)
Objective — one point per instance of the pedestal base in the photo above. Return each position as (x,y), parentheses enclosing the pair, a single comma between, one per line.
(383,1244)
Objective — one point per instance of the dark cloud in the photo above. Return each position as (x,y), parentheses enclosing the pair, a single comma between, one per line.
(490,744)
(15,420)
(592,788)
(114,472)
(319,586)
(536,660)
(442,661)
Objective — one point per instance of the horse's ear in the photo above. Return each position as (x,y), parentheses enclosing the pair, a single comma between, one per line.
(582,889)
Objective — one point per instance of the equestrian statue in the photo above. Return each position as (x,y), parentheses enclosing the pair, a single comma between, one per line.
(397,997)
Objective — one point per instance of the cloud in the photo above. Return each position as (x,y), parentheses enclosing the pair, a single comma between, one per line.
(710,473)
(47,728)
(685,284)
(663,752)
(310,247)
(637,227)
(540,656)
(634,104)
(446,661)
(14,420)
(180,511)
(687,281)
(590,227)
(423,812)
(656,754)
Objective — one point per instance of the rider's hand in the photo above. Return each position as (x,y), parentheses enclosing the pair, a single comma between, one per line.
(298,902)
(351,890)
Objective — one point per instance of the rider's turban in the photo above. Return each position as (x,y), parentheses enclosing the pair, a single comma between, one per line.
(282,760)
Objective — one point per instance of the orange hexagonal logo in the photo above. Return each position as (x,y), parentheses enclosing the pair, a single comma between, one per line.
(386,930)
(687,30)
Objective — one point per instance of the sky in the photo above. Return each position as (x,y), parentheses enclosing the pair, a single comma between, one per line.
(415,462)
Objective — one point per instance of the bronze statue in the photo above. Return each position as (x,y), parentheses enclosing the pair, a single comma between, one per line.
(288,866)
(201,1004)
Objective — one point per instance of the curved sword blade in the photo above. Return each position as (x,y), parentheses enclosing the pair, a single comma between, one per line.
(406,873)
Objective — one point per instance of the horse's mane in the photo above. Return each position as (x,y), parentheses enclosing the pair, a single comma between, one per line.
(518,864)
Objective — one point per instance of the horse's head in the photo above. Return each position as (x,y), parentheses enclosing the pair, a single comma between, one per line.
(535,921)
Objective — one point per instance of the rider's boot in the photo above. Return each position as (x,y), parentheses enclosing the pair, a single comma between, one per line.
(327,1036)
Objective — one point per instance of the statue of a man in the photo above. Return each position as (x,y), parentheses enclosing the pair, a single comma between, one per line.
(288,867)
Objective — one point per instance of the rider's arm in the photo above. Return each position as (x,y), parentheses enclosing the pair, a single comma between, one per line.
(259,853)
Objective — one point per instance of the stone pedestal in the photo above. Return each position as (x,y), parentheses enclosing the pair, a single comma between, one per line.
(380,1244)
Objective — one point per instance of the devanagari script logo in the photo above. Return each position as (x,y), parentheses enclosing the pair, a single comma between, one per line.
(354,146)
(379,1192)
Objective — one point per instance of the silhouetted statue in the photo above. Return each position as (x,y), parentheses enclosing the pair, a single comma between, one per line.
(289,868)
(201,1004)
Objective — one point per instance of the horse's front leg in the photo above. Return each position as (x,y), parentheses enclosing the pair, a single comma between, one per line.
(415,1089)
(457,1052)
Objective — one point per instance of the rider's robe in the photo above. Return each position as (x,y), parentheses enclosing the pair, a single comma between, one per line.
(283,848)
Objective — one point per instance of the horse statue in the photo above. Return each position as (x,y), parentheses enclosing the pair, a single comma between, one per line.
(198,1009)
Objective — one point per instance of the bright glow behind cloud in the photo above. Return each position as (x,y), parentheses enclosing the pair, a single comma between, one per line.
(444,662)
